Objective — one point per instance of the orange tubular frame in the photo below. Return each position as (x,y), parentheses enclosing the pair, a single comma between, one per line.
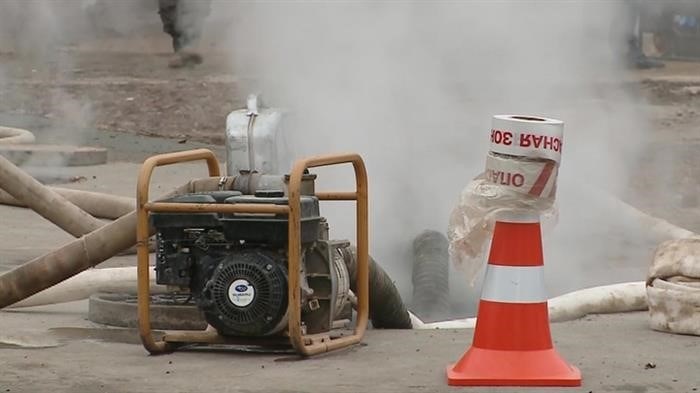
(306,345)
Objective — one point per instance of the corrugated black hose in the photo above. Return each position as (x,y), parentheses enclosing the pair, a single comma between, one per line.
(431,293)
(386,309)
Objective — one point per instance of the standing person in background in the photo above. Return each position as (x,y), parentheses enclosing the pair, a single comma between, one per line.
(183,20)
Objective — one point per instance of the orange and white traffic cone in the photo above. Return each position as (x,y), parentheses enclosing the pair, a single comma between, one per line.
(512,343)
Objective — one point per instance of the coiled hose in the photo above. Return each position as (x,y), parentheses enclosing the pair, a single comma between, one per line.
(386,309)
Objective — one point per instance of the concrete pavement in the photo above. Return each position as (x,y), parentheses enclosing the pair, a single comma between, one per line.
(615,353)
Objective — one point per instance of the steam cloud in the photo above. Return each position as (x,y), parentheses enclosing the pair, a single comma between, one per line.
(43,35)
(412,86)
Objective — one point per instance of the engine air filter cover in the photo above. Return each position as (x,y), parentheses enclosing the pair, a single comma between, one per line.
(247,294)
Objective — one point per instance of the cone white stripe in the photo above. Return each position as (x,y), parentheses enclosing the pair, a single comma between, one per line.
(514,284)
(515,216)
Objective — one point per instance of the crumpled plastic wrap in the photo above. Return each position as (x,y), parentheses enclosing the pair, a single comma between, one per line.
(472,220)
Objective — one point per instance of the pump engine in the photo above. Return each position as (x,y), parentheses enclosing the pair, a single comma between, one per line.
(234,265)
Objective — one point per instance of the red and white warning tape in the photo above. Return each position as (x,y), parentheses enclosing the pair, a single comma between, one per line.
(527,136)
(536,178)
(525,154)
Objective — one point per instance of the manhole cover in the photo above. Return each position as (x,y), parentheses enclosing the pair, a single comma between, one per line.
(168,311)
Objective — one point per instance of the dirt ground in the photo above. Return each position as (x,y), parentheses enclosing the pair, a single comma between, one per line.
(133,92)
(673,94)
(78,356)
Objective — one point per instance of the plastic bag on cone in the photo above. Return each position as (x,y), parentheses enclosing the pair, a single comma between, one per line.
(472,220)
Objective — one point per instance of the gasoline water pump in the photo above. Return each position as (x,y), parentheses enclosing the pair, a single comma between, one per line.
(255,255)
(256,258)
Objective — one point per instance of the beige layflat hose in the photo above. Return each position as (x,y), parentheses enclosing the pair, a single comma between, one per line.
(615,298)
(80,254)
(15,136)
(94,203)
(89,282)
(606,299)
(45,201)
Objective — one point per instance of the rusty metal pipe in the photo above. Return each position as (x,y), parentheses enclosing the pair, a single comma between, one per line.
(336,196)
(48,203)
(94,203)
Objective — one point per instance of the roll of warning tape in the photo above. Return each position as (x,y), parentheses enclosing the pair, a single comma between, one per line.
(527,136)
(533,177)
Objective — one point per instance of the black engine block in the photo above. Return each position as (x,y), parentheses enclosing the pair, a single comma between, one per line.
(234,265)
